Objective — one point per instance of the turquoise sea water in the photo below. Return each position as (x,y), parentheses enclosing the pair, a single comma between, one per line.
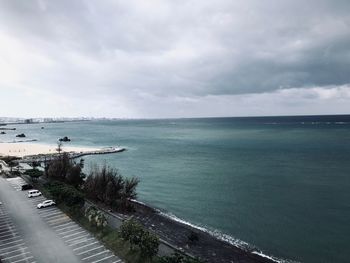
(281,184)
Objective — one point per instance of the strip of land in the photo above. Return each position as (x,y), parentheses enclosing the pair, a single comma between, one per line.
(25,149)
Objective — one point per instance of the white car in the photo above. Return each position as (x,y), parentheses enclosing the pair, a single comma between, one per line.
(46,203)
(33,193)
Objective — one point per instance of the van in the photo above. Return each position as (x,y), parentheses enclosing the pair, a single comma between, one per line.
(33,193)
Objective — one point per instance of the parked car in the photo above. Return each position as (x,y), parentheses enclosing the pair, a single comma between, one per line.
(33,193)
(27,187)
(46,203)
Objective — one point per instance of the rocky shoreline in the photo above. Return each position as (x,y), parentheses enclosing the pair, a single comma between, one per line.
(202,244)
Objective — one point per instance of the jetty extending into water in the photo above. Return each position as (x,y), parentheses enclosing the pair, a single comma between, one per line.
(71,155)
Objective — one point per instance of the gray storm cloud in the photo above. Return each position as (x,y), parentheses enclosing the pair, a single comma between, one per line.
(178,50)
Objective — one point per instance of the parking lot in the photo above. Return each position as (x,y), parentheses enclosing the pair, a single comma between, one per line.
(12,246)
(77,241)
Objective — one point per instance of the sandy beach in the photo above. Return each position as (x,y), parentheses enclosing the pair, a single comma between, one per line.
(25,149)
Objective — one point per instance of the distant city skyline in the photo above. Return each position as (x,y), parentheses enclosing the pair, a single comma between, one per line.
(172,59)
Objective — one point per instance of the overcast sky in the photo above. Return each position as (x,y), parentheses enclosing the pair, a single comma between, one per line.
(174,58)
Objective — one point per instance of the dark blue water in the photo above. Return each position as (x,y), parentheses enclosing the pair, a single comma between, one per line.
(281,184)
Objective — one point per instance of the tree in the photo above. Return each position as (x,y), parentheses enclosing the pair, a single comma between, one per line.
(12,163)
(96,217)
(129,192)
(149,244)
(131,231)
(59,147)
(74,176)
(63,193)
(34,174)
(106,185)
(59,167)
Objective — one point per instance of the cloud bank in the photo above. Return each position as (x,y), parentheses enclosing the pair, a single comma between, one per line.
(152,59)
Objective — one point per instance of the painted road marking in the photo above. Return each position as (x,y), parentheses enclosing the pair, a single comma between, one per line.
(22,248)
(82,241)
(69,240)
(68,231)
(19,240)
(52,214)
(66,227)
(85,246)
(87,251)
(63,224)
(24,259)
(74,234)
(21,244)
(16,256)
(104,259)
(105,251)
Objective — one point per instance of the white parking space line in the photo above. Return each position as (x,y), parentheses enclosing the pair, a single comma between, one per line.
(51,214)
(22,248)
(5,223)
(116,261)
(19,240)
(66,227)
(7,226)
(17,245)
(87,251)
(54,217)
(68,231)
(9,234)
(85,245)
(4,218)
(10,225)
(45,210)
(74,234)
(65,224)
(24,259)
(104,259)
(78,238)
(16,256)
(105,251)
(8,239)
(60,219)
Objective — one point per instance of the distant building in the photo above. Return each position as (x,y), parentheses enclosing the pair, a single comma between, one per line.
(28,121)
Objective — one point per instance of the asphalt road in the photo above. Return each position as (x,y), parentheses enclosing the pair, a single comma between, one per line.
(46,235)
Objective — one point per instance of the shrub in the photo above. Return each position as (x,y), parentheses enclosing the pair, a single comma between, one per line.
(63,193)
(178,258)
(133,232)
(96,217)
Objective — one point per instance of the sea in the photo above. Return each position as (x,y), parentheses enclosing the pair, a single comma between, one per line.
(279,186)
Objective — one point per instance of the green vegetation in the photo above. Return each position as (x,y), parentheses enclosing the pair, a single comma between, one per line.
(66,194)
(34,174)
(137,236)
(177,258)
(107,186)
(66,185)
(96,217)
(65,170)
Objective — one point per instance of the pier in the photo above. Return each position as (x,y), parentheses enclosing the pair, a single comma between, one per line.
(72,155)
